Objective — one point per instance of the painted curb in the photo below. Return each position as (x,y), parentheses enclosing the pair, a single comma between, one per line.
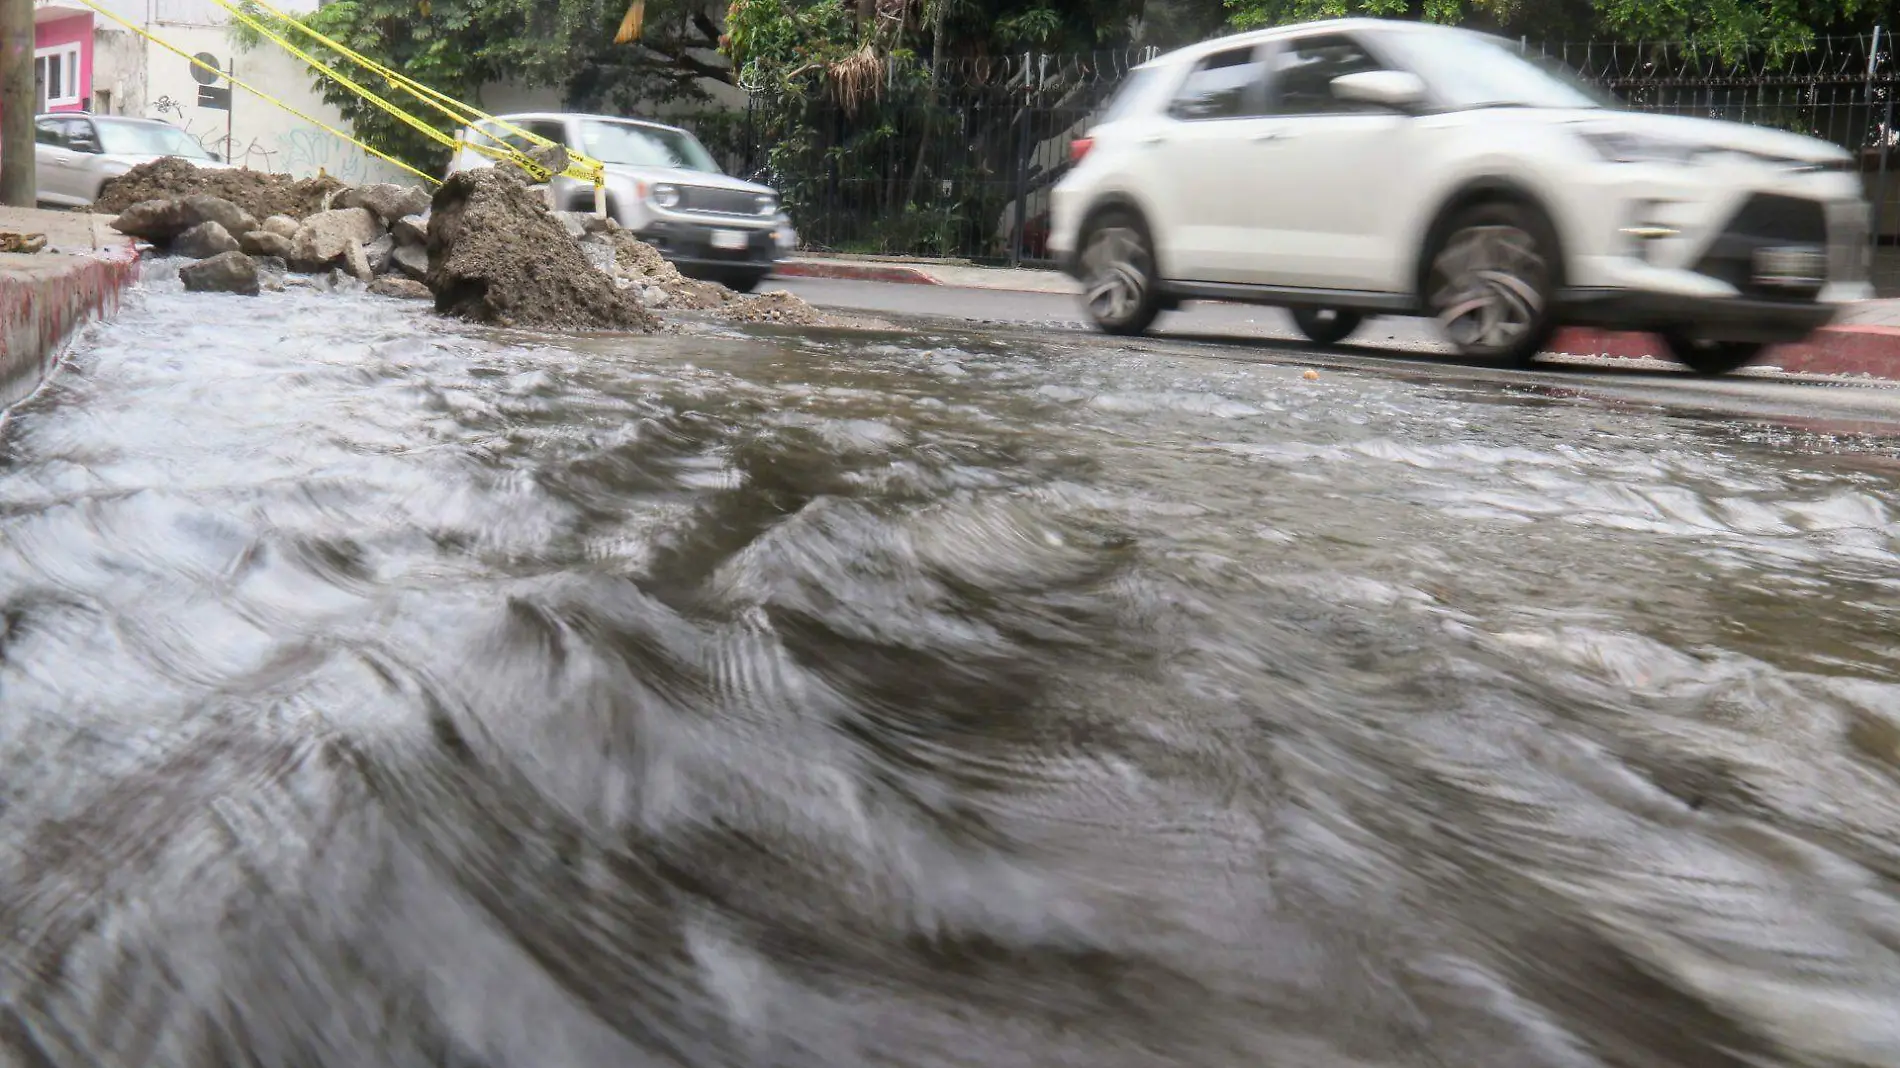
(856,272)
(1872,351)
(42,304)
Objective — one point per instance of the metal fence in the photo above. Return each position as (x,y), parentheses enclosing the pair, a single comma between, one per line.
(963,170)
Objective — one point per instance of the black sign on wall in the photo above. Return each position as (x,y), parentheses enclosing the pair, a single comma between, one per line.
(210,93)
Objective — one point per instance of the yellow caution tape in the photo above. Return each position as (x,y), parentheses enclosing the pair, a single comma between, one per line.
(259,93)
(579,166)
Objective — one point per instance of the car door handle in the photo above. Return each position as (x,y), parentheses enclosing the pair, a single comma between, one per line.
(1153,139)
(1265,136)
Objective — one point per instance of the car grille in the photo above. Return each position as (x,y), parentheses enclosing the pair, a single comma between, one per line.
(718,201)
(1764,221)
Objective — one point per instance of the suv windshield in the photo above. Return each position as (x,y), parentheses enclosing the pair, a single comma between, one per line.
(1470,70)
(146,139)
(633,145)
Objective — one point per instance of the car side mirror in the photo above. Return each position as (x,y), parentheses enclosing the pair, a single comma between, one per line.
(1395,89)
(83,144)
(215,158)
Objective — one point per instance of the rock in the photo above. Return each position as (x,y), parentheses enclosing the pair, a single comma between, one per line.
(157,221)
(411,229)
(496,255)
(203,241)
(266,243)
(389,203)
(229,272)
(379,252)
(356,261)
(203,209)
(601,256)
(574,222)
(325,237)
(404,288)
(161,221)
(411,260)
(282,226)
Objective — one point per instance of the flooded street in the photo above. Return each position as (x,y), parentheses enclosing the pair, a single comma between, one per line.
(380,691)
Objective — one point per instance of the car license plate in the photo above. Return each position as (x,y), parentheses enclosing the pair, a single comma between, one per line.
(731,240)
(1796,266)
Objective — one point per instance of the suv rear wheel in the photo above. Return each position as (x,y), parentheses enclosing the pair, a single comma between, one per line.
(1491,281)
(1119,287)
(1712,357)
(1326,326)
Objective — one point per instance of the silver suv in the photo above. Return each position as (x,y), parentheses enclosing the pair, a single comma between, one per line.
(76,153)
(663,185)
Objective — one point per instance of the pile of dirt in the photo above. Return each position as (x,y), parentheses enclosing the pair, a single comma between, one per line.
(257,192)
(497,255)
(643,264)
(774,307)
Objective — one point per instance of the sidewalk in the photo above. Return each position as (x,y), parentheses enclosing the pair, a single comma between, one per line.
(1865,341)
(45,296)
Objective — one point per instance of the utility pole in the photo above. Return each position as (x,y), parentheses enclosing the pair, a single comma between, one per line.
(18,183)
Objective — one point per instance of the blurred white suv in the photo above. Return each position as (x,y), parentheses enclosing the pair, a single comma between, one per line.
(1358,167)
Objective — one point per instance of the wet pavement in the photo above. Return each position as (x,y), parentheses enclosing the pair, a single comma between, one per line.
(382,691)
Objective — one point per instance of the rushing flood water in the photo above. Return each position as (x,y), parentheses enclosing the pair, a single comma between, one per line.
(380,692)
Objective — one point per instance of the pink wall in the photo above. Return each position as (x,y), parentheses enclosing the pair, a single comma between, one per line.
(76,29)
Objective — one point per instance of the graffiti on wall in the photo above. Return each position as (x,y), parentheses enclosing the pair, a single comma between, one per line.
(228,128)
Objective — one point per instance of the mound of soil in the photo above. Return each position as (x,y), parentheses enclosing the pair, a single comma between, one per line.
(261,194)
(497,255)
(644,264)
(775,307)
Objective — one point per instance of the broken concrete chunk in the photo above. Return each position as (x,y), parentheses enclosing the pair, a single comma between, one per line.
(282,225)
(324,237)
(203,241)
(402,288)
(265,243)
(229,272)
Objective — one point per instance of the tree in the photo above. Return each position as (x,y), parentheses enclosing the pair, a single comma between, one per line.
(459,46)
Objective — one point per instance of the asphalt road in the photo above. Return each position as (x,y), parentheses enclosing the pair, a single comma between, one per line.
(1395,348)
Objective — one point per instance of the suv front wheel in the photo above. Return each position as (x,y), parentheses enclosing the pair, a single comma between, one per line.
(1712,357)
(1119,287)
(1491,281)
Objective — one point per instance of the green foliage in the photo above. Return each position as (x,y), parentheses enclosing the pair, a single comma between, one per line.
(458,46)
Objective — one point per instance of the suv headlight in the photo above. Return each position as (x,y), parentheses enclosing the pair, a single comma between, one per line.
(1619,146)
(665,196)
(767,203)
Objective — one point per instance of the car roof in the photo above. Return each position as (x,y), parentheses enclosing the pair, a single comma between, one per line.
(563,116)
(1194,52)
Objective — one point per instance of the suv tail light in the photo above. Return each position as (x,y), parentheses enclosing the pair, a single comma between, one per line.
(1080,147)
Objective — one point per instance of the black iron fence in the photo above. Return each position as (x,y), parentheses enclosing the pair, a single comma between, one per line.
(963,168)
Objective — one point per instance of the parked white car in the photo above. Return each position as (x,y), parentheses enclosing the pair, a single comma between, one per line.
(1357,167)
(664,186)
(76,153)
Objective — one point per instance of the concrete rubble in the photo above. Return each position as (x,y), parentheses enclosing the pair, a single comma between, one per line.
(485,247)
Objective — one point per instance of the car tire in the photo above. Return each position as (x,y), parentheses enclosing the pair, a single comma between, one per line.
(1120,286)
(1712,357)
(742,281)
(1491,282)
(1326,326)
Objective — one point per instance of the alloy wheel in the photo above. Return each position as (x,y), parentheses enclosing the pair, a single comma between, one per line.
(1116,276)
(1488,287)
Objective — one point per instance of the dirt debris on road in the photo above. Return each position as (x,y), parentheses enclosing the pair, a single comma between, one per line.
(486,245)
(260,193)
(497,255)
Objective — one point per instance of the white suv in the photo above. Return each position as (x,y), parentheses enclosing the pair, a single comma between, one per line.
(1358,167)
